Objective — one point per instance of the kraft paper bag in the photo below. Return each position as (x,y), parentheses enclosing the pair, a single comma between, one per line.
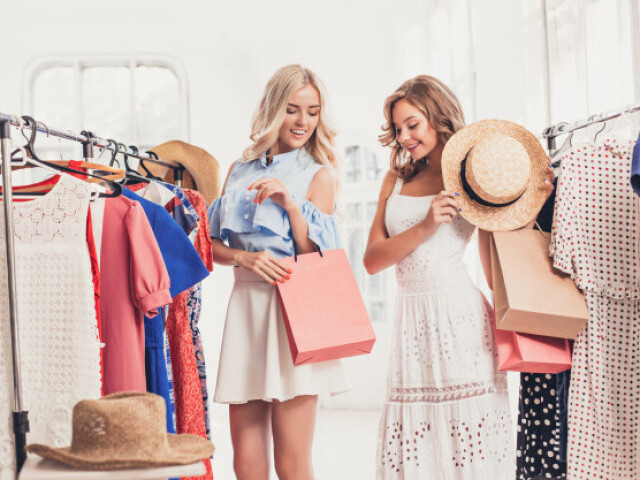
(530,296)
(324,314)
(521,352)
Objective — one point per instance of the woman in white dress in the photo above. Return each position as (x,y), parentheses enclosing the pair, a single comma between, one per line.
(447,412)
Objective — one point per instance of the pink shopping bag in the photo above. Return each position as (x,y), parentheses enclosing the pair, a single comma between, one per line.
(323,311)
(523,352)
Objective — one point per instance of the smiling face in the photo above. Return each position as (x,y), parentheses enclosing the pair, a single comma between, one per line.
(301,119)
(413,130)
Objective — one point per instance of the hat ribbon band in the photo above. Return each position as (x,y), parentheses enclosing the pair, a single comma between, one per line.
(474,196)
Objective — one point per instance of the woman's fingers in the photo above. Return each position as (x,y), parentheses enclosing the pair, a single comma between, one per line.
(279,267)
(272,274)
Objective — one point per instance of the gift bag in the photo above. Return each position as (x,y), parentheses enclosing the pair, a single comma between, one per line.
(530,296)
(324,314)
(521,352)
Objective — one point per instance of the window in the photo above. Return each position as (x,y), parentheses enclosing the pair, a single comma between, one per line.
(590,57)
(140,100)
(363,173)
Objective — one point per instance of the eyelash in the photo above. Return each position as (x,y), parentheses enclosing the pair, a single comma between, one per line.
(311,114)
(411,127)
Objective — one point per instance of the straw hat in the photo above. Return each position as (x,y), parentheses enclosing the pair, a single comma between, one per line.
(124,430)
(497,167)
(201,168)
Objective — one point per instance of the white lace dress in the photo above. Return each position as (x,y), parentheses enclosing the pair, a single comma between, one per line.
(447,413)
(58,330)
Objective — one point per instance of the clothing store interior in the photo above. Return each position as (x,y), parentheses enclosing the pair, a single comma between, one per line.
(503,343)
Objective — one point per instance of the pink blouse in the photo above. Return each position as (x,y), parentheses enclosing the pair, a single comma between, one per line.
(134,281)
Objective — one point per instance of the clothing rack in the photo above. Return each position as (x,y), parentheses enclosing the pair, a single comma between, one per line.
(562,128)
(89,141)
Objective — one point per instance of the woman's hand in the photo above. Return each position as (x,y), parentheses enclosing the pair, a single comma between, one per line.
(264,265)
(274,189)
(444,209)
(549,184)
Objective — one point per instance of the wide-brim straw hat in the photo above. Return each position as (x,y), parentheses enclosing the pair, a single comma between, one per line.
(201,169)
(125,430)
(497,167)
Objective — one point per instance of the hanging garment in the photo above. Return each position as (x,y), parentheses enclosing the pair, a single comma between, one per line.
(541,409)
(596,239)
(255,360)
(134,282)
(185,269)
(635,167)
(202,244)
(58,333)
(446,415)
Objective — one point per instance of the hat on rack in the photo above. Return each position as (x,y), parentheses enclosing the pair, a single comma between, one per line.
(497,168)
(125,430)
(200,167)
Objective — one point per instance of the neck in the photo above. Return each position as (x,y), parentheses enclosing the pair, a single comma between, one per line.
(434,159)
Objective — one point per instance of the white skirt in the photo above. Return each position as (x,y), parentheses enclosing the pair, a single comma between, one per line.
(255,360)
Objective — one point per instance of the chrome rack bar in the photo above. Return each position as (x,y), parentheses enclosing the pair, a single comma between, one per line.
(20,417)
(96,141)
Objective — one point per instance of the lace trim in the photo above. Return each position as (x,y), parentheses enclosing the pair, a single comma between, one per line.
(447,394)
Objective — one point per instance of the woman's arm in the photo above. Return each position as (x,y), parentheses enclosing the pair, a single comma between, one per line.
(383,251)
(261,263)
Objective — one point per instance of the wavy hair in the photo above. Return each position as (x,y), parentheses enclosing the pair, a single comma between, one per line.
(437,102)
(269,116)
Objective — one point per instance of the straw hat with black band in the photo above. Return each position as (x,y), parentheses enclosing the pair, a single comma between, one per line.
(124,430)
(497,168)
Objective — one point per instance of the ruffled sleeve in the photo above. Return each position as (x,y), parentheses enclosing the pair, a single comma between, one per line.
(323,230)
(213,214)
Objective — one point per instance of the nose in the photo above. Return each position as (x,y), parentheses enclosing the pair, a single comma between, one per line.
(403,135)
(301,119)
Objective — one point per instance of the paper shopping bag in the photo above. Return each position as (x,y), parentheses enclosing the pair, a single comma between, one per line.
(521,352)
(324,314)
(530,296)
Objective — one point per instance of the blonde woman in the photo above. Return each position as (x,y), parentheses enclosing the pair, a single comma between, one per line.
(283,189)
(447,412)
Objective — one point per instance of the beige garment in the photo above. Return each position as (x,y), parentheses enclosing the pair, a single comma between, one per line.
(255,360)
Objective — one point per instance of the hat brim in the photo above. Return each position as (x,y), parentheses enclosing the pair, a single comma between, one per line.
(184,449)
(509,217)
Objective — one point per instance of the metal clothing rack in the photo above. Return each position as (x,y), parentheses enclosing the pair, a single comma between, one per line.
(20,417)
(562,128)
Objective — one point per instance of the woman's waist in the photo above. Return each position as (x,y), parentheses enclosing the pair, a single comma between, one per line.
(420,282)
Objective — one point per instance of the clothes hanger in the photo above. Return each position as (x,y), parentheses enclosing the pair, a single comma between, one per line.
(132,176)
(565,147)
(30,157)
(154,156)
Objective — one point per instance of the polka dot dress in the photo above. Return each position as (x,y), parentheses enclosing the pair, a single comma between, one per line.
(596,238)
(537,455)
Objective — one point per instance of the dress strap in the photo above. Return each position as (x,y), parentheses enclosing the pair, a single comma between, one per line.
(398,186)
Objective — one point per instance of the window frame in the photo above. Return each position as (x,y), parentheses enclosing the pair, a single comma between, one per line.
(131,61)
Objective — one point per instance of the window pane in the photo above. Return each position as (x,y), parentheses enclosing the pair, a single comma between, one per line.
(54,101)
(107,102)
(158,105)
(371,211)
(376,311)
(355,251)
(54,97)
(372,165)
(376,284)
(354,212)
(352,164)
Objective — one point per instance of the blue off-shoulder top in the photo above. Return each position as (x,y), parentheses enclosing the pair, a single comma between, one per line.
(235,219)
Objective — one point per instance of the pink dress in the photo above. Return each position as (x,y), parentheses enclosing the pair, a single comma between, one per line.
(134,281)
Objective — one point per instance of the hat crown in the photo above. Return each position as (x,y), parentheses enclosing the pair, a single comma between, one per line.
(119,424)
(498,168)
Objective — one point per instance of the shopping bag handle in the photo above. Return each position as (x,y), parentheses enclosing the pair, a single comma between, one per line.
(295,249)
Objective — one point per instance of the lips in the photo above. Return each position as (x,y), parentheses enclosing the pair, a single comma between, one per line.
(298,133)
(411,148)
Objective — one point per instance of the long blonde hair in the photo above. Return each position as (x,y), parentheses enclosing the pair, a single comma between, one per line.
(437,102)
(269,116)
